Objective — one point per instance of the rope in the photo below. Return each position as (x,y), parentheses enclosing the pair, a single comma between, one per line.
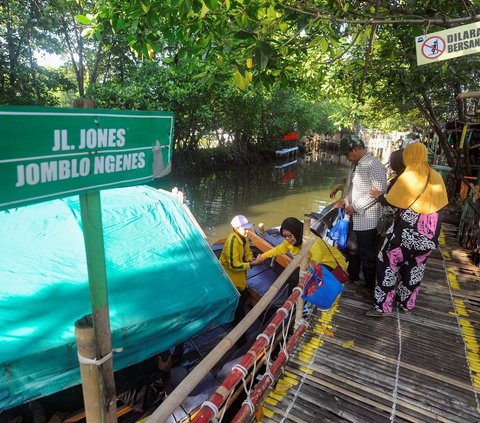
(226,406)
(249,402)
(285,332)
(264,336)
(269,374)
(300,290)
(212,407)
(299,388)
(268,361)
(268,351)
(397,372)
(241,369)
(248,391)
(94,361)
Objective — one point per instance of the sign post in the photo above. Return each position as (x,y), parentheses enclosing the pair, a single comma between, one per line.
(448,44)
(48,153)
(51,153)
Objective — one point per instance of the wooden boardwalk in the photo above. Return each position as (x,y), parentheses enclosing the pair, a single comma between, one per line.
(423,367)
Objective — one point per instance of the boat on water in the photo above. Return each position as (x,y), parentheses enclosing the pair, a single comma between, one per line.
(157,265)
(152,244)
(288,148)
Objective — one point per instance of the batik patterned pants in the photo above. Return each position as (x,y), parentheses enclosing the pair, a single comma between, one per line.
(402,259)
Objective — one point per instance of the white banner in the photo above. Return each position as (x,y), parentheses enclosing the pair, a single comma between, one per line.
(443,45)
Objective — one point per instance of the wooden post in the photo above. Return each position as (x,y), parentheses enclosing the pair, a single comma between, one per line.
(103,395)
(86,347)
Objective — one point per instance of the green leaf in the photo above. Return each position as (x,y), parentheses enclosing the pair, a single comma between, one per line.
(145,7)
(83,19)
(211,4)
(324,45)
(271,13)
(240,81)
(244,34)
(204,11)
(262,54)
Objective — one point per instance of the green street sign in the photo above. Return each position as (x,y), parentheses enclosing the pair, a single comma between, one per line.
(48,153)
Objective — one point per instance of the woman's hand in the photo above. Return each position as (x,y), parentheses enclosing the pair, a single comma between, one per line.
(334,190)
(257,260)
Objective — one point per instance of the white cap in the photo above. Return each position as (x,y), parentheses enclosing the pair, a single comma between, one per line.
(241,221)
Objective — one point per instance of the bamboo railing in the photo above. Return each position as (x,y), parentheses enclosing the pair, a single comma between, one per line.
(163,412)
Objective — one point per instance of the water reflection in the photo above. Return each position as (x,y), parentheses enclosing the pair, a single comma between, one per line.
(264,193)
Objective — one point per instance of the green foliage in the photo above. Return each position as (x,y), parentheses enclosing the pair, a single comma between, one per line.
(216,115)
(241,72)
(24,28)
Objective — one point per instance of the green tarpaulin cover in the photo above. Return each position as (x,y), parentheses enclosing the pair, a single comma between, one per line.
(164,285)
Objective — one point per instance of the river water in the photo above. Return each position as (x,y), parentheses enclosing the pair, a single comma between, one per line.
(264,193)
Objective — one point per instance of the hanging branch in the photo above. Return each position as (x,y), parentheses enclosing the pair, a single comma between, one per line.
(368,55)
(442,21)
(429,113)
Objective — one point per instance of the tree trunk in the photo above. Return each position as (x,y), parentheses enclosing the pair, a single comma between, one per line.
(427,111)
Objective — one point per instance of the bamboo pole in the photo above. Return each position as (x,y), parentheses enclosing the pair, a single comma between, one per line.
(300,303)
(91,212)
(89,373)
(162,413)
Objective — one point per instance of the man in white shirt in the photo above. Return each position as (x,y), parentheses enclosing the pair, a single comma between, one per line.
(367,172)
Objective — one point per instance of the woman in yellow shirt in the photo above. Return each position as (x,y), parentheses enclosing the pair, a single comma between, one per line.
(320,253)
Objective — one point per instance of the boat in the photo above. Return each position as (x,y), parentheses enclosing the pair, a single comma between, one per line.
(151,245)
(288,148)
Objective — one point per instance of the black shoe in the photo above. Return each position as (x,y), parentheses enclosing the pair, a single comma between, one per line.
(365,292)
(357,282)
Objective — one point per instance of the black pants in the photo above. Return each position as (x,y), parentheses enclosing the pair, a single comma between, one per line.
(240,314)
(364,258)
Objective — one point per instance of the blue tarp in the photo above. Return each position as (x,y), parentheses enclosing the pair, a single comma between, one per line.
(164,286)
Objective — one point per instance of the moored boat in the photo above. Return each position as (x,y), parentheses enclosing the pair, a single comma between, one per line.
(157,265)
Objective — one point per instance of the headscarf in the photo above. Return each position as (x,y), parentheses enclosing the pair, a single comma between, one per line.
(411,183)
(295,227)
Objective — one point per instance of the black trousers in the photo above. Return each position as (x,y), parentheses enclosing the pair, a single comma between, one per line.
(364,258)
(240,314)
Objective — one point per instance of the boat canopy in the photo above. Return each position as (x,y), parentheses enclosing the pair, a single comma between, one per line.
(164,286)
